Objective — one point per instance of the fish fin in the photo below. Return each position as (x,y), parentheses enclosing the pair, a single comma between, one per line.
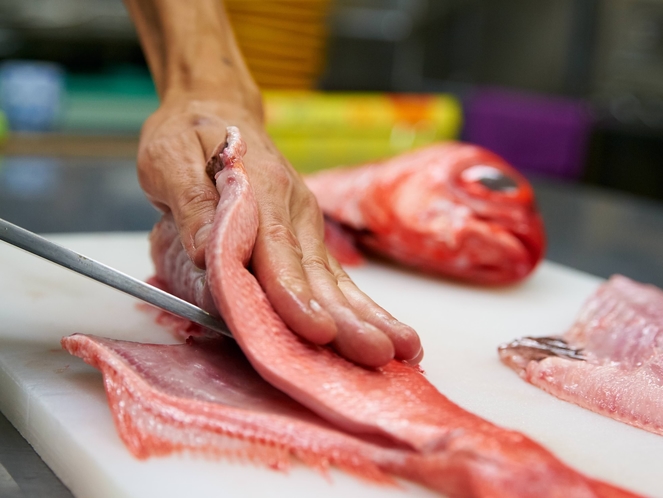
(518,353)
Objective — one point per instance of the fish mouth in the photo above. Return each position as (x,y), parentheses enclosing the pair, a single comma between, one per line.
(532,237)
(501,197)
(520,256)
(511,250)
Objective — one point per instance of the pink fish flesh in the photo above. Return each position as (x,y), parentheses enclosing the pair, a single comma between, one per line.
(204,396)
(610,361)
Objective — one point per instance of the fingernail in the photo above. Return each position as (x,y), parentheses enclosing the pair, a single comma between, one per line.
(200,239)
(417,358)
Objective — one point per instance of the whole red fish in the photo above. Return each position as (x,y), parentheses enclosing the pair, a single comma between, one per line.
(453,208)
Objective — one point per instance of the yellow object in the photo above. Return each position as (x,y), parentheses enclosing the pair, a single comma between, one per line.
(317,130)
(283,41)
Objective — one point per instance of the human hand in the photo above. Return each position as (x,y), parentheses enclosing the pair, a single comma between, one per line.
(304,283)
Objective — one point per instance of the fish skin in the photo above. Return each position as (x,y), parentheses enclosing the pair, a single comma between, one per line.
(455,450)
(619,334)
(428,210)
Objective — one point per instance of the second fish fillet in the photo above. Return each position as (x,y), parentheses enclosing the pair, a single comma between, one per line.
(610,361)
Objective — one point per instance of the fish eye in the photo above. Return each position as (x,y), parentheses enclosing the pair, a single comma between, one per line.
(490,177)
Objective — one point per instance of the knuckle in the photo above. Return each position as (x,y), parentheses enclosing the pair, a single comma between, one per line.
(292,284)
(146,161)
(150,152)
(281,179)
(316,262)
(158,152)
(194,199)
(309,204)
(342,277)
(165,155)
(281,234)
(307,210)
(199,120)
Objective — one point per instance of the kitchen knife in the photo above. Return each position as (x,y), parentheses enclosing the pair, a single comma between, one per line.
(62,256)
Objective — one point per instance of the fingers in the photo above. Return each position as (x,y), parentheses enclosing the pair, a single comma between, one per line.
(356,339)
(277,256)
(406,342)
(277,264)
(305,294)
(294,268)
(171,170)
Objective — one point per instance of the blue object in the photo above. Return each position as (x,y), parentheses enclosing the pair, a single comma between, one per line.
(30,94)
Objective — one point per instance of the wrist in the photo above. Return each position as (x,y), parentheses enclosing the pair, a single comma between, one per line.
(233,98)
(191,51)
(201,102)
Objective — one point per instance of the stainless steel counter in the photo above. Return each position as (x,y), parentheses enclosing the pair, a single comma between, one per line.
(22,473)
(598,231)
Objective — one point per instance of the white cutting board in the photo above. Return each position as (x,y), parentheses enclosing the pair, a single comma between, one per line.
(58,403)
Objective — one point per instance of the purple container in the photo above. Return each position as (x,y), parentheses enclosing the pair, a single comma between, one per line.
(536,134)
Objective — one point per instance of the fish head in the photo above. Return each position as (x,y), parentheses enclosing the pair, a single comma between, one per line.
(460,210)
(500,196)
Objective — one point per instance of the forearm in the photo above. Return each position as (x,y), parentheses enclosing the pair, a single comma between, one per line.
(192,52)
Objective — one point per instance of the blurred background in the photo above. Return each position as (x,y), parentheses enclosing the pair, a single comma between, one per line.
(568,88)
(569,91)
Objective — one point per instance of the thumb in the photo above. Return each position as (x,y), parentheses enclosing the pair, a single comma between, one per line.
(193,207)
(172,173)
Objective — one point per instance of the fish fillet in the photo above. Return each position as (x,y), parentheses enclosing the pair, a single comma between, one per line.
(203,396)
(610,361)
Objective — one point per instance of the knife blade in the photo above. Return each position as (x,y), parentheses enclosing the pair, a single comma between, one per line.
(95,270)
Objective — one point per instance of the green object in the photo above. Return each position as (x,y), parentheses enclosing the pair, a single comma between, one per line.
(4,127)
(101,112)
(117,101)
(121,81)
